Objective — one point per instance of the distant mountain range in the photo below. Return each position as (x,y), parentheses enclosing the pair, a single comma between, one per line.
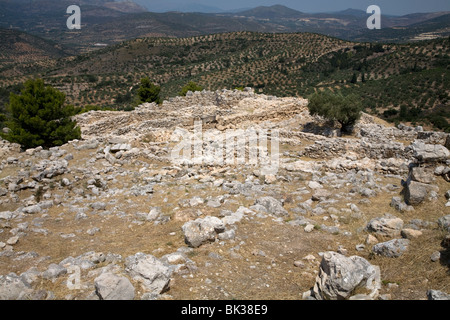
(108,22)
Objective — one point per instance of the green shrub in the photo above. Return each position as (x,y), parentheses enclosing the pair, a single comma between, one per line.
(87,108)
(344,109)
(38,117)
(191,86)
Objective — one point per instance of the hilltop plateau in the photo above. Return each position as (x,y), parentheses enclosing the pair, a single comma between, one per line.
(113,216)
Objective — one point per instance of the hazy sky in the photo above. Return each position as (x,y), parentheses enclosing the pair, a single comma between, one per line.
(397,7)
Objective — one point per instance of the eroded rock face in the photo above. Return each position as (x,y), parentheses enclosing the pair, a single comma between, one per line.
(339,276)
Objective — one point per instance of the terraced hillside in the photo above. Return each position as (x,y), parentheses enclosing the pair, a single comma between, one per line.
(387,76)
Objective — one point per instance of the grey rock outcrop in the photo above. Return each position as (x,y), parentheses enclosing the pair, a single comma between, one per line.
(429,152)
(422,175)
(12,287)
(387,225)
(201,231)
(444,222)
(339,276)
(417,192)
(109,286)
(400,205)
(152,273)
(272,206)
(49,169)
(437,295)
(392,249)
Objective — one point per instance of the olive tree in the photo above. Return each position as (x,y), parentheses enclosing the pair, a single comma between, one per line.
(344,109)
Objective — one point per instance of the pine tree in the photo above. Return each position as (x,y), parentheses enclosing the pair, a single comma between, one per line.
(148,92)
(38,117)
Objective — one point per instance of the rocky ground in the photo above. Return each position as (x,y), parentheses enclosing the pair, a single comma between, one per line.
(363,216)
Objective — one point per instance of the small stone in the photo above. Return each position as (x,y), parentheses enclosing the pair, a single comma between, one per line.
(309,257)
(309,228)
(13,240)
(435,256)
(299,264)
(32,209)
(93,231)
(410,233)
(321,194)
(315,185)
(370,239)
(98,206)
(342,250)
(270,178)
(53,271)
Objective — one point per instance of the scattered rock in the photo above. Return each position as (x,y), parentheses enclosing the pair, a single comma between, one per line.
(153,274)
(417,192)
(98,206)
(444,222)
(109,286)
(435,256)
(320,194)
(339,276)
(437,295)
(201,231)
(370,240)
(430,152)
(392,249)
(12,287)
(422,175)
(6,215)
(13,240)
(272,206)
(387,225)
(270,178)
(54,271)
(315,185)
(410,233)
(49,169)
(398,204)
(32,209)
